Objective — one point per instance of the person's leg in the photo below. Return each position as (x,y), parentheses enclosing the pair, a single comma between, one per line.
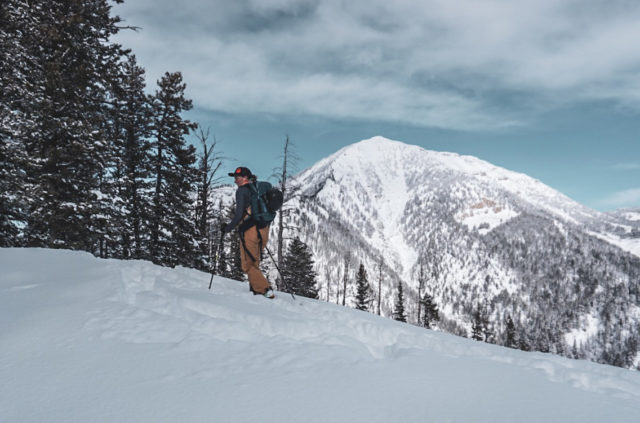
(257,280)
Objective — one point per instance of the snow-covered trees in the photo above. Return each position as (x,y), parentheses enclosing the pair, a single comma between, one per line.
(74,60)
(431,313)
(131,170)
(363,290)
(297,270)
(510,338)
(75,131)
(398,307)
(172,223)
(16,100)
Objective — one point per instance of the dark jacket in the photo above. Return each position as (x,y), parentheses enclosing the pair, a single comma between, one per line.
(243,201)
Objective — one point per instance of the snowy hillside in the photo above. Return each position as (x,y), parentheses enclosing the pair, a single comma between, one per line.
(489,240)
(374,183)
(90,340)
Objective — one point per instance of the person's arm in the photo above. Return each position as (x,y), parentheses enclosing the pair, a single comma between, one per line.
(243,196)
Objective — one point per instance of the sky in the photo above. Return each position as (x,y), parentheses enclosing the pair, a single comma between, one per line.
(550,88)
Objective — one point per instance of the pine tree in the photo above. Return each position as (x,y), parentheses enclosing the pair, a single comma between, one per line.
(511,334)
(297,270)
(71,46)
(16,100)
(398,308)
(431,312)
(363,290)
(172,225)
(132,169)
(476,326)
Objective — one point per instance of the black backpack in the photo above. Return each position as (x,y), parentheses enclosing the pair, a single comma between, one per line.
(265,201)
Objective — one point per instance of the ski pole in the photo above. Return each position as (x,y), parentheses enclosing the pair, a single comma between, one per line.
(215,263)
(277,268)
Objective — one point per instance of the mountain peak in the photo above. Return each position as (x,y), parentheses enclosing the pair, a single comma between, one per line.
(380,141)
(390,195)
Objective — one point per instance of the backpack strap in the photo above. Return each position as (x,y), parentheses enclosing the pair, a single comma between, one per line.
(244,245)
(246,250)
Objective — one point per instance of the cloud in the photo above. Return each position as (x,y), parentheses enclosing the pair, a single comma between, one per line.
(625,198)
(461,65)
(626,166)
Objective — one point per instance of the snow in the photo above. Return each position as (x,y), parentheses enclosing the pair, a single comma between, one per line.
(90,340)
(588,330)
(485,216)
(630,245)
(633,216)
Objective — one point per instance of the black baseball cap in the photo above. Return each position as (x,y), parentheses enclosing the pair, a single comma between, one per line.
(241,171)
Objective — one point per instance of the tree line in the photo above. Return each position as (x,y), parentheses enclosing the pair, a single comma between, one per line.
(89,160)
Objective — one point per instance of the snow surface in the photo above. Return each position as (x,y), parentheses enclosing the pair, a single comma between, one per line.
(374,180)
(630,245)
(90,340)
(485,216)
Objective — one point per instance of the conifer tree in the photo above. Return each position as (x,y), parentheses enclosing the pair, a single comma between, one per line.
(431,312)
(72,48)
(363,290)
(17,97)
(398,308)
(511,334)
(132,168)
(480,330)
(297,270)
(172,224)
(476,326)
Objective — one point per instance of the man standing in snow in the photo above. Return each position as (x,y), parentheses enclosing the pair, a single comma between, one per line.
(252,236)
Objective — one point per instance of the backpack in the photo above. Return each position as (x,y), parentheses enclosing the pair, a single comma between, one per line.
(265,202)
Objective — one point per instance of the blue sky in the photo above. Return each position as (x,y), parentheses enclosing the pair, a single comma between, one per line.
(550,88)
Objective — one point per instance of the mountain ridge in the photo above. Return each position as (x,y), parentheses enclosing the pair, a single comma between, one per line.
(486,236)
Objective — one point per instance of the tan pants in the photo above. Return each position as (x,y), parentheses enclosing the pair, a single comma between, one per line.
(258,282)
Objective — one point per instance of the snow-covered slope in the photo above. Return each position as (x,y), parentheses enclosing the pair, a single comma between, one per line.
(374,183)
(486,237)
(90,340)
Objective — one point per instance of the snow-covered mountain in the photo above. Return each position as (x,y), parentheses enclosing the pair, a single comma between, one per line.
(91,340)
(489,239)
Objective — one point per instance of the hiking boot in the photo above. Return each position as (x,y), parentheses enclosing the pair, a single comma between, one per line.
(269,293)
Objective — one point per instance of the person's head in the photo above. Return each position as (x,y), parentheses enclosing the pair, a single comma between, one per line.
(242,176)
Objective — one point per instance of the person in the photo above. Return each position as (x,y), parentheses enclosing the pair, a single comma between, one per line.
(253,237)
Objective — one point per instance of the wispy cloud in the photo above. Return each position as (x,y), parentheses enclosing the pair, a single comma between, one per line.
(626,166)
(625,198)
(462,64)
